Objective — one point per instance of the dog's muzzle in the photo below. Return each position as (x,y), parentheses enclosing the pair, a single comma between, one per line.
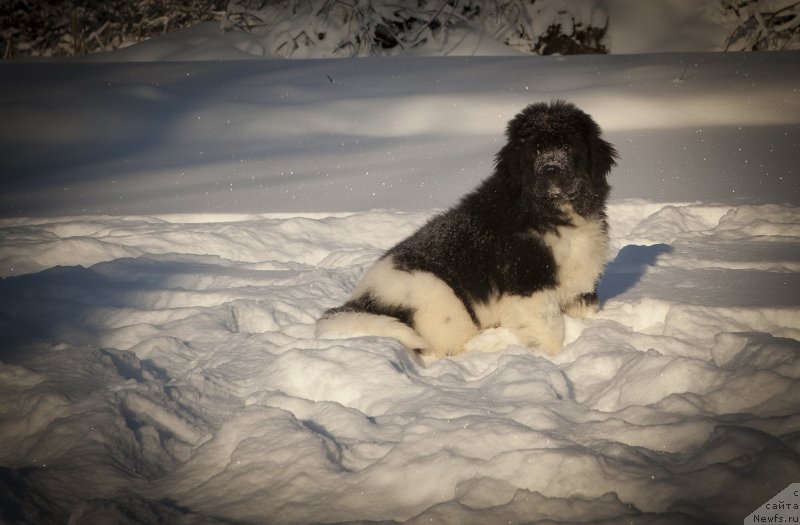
(554,168)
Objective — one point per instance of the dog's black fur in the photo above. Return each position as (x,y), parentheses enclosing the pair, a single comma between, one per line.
(554,160)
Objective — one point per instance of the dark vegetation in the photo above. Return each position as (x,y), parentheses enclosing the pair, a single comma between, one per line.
(49,28)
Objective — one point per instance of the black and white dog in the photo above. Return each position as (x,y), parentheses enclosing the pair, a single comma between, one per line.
(524,247)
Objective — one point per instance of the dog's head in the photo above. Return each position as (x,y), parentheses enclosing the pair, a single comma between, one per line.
(555,156)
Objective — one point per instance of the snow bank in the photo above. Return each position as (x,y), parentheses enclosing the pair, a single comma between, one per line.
(355,135)
(174,375)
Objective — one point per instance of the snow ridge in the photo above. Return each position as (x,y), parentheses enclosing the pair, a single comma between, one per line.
(166,368)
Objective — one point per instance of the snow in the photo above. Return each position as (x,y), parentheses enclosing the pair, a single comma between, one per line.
(666,26)
(183,378)
(635,26)
(250,136)
(171,231)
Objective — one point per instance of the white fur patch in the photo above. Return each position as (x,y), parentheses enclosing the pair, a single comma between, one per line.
(440,318)
(535,320)
(580,252)
(354,324)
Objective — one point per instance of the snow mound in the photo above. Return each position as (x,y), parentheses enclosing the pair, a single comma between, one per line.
(164,369)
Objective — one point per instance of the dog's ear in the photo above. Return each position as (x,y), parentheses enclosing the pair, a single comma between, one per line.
(514,165)
(513,162)
(602,158)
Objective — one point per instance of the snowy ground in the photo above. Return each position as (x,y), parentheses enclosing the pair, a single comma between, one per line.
(180,386)
(173,230)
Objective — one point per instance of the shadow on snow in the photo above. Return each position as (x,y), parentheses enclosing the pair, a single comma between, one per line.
(628,268)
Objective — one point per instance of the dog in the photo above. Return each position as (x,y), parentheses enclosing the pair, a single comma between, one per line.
(526,246)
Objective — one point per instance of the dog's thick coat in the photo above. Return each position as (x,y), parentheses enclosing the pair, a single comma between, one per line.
(528,244)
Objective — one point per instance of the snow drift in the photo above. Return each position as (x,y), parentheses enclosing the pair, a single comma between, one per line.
(180,379)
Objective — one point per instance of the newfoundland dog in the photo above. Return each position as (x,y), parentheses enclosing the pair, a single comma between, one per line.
(524,247)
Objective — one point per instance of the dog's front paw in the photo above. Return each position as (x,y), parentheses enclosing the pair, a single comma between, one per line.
(549,348)
(583,305)
(548,339)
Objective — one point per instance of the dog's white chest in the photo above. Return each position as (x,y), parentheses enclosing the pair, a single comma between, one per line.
(580,252)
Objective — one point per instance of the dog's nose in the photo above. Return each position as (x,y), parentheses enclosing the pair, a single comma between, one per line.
(551,170)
